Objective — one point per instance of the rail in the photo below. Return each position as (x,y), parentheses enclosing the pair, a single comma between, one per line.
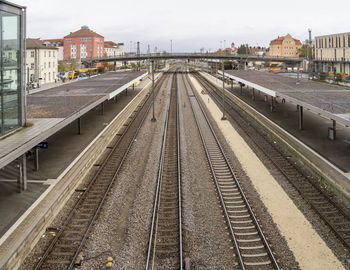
(165,240)
(251,251)
(329,210)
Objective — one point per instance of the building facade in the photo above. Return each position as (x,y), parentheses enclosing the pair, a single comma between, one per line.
(41,62)
(12,86)
(58,43)
(285,46)
(83,43)
(332,53)
(113,49)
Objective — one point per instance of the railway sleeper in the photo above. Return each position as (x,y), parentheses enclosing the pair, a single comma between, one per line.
(239,216)
(252,227)
(249,240)
(65,248)
(62,253)
(56,263)
(257,263)
(167,227)
(164,252)
(246,233)
(229,204)
(251,248)
(241,221)
(73,235)
(228,189)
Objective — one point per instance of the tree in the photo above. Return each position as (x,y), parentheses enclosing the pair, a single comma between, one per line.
(303,51)
(243,49)
(63,67)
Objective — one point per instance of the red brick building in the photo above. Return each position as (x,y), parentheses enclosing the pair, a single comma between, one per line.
(83,43)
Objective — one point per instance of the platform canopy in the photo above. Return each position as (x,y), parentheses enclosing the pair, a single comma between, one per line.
(329,101)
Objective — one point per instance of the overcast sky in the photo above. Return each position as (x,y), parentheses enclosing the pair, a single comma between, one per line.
(191,24)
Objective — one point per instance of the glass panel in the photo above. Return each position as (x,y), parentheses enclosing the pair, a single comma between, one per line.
(10,91)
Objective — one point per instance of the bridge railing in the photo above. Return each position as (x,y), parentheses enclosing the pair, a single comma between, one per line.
(165,55)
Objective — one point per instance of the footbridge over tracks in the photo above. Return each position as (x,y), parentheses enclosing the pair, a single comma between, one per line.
(165,56)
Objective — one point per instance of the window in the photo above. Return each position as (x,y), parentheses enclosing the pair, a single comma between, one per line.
(73,51)
(44,53)
(45,65)
(53,53)
(68,40)
(49,53)
(49,65)
(83,51)
(32,66)
(53,64)
(32,54)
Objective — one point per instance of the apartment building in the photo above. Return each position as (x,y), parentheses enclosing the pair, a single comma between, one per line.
(114,49)
(332,53)
(285,46)
(83,43)
(41,61)
(58,43)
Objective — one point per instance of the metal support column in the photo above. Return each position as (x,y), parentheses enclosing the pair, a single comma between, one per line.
(20,177)
(36,159)
(301,118)
(298,67)
(115,65)
(133,86)
(79,125)
(126,91)
(24,171)
(332,131)
(153,97)
(272,104)
(116,99)
(102,108)
(241,86)
(223,92)
(253,94)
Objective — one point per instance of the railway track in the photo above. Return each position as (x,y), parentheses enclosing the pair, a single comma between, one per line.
(64,251)
(329,211)
(251,248)
(165,242)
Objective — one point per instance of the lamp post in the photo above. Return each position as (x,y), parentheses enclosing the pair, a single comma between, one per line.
(153,117)
(223,91)
(171,46)
(310,55)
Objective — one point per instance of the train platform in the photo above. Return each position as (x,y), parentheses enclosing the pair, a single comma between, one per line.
(328,155)
(55,126)
(324,103)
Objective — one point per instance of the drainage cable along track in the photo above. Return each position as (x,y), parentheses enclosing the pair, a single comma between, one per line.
(66,246)
(252,249)
(165,242)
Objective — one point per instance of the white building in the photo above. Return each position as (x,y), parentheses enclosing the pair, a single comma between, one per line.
(332,52)
(41,62)
(113,49)
(58,43)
